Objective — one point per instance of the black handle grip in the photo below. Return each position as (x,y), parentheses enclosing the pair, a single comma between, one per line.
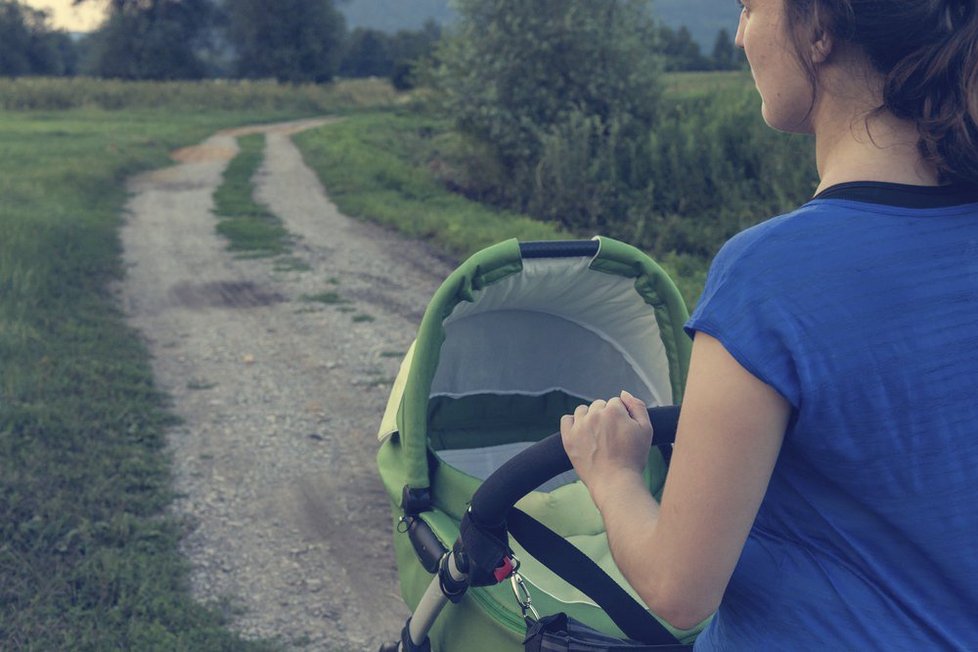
(543,460)
(560,249)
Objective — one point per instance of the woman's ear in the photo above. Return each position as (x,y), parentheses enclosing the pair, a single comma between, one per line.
(821,46)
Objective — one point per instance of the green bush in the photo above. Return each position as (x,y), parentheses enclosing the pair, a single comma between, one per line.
(513,73)
(708,169)
(715,168)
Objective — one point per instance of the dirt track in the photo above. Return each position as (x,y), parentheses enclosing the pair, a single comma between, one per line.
(280,396)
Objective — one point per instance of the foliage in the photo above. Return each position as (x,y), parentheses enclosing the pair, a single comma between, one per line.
(680,51)
(703,18)
(515,73)
(296,41)
(726,56)
(368,54)
(412,49)
(28,46)
(707,169)
(714,168)
(683,54)
(152,39)
(371,52)
(88,555)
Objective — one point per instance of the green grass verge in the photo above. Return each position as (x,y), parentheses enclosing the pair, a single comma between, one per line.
(375,166)
(249,226)
(88,555)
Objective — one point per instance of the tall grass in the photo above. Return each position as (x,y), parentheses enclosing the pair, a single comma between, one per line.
(48,93)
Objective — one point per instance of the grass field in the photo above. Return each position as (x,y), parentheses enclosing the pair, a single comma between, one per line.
(88,558)
(697,84)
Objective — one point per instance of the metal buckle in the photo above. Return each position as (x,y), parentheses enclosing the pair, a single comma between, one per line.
(522,593)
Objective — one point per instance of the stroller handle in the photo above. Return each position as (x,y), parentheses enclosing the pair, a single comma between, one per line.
(559,249)
(541,462)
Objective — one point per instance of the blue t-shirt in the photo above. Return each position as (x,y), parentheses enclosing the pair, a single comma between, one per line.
(864,317)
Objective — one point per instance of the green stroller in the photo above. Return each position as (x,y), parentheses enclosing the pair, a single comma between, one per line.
(518,335)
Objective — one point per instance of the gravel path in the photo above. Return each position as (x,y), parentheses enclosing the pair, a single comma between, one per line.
(279,396)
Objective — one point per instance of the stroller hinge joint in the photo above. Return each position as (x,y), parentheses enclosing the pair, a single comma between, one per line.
(452,579)
(415,500)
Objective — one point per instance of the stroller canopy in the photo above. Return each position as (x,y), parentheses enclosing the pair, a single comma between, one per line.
(510,329)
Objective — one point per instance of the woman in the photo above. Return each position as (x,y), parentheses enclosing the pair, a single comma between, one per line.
(823,491)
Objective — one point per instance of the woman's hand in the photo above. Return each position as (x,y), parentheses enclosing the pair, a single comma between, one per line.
(607,439)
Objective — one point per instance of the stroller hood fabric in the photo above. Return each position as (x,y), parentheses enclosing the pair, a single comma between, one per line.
(507,345)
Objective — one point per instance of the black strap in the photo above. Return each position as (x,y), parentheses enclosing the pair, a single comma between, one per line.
(579,570)
(562,633)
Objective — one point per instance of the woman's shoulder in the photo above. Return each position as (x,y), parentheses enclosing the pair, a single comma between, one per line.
(783,237)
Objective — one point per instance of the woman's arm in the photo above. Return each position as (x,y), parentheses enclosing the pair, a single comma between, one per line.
(680,556)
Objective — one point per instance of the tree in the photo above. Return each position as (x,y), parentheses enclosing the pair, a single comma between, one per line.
(373,53)
(152,39)
(27,44)
(410,49)
(515,72)
(368,54)
(725,55)
(290,40)
(682,53)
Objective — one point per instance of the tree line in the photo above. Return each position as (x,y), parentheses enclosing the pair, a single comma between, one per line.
(682,54)
(295,41)
(289,40)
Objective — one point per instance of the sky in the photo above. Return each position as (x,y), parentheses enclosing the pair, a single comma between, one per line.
(63,15)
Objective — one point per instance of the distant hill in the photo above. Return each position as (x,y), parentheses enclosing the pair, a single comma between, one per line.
(392,15)
(704,18)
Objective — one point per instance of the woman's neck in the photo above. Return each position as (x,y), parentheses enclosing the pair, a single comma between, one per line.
(877,154)
(854,144)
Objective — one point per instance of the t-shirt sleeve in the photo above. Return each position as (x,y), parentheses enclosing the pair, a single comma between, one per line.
(744,308)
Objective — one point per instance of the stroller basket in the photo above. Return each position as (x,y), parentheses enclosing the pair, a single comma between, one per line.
(517,336)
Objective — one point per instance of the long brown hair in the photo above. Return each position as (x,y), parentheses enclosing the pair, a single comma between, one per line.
(927,54)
